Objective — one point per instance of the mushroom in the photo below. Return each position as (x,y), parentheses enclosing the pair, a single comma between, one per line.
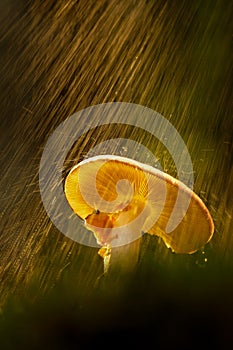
(119,198)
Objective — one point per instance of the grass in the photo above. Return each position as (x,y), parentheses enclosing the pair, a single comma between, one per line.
(174,306)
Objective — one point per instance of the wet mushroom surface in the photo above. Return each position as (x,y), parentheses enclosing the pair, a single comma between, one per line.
(119,198)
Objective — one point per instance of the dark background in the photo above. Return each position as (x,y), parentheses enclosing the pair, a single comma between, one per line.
(58,57)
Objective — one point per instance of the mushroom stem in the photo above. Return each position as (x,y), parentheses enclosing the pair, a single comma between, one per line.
(105,253)
(121,259)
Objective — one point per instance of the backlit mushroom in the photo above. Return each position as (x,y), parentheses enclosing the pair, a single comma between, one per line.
(119,198)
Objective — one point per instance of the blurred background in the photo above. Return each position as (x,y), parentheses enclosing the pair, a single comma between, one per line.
(58,57)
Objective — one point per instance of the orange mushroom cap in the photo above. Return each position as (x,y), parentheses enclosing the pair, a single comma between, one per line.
(116,194)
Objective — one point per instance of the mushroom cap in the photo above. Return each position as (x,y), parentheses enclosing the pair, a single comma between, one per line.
(112,192)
